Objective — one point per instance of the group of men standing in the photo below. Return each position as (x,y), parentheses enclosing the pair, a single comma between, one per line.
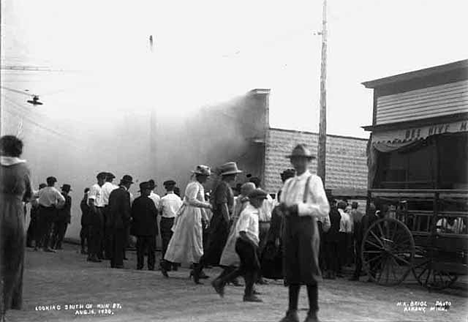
(110,214)
(50,216)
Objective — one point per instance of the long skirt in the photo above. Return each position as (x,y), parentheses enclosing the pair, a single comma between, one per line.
(12,246)
(301,246)
(186,245)
(229,256)
(219,231)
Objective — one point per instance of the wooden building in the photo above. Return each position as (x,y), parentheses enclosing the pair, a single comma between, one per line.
(418,152)
(419,131)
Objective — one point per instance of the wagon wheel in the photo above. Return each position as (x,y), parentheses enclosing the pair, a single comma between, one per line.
(387,251)
(427,275)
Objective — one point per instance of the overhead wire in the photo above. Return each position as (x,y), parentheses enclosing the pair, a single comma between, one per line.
(23,115)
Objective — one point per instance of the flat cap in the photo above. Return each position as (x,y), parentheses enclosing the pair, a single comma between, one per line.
(257,194)
(169,183)
(101,175)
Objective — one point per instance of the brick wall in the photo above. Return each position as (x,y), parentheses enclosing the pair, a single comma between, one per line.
(346,164)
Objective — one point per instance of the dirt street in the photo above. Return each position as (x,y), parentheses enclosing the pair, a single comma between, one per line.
(64,287)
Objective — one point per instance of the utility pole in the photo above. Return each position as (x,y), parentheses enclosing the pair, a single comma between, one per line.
(322,139)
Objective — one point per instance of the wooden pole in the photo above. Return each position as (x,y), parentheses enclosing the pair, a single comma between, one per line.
(322,139)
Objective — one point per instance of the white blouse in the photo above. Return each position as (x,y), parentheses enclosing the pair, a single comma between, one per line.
(316,204)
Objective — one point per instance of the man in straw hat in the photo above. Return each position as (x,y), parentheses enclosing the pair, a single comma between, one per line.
(223,201)
(119,219)
(303,202)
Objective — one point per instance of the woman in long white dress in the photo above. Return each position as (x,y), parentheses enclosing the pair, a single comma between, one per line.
(186,244)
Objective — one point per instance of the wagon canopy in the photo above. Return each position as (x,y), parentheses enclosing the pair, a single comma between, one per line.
(437,161)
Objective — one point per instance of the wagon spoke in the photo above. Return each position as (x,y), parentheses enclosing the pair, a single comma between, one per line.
(373,259)
(394,232)
(422,272)
(381,231)
(378,239)
(393,271)
(406,240)
(374,244)
(428,276)
(422,263)
(439,274)
(387,269)
(400,259)
(373,251)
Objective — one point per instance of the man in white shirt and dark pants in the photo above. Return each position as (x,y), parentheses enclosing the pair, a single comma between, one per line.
(154,196)
(303,202)
(247,230)
(96,205)
(169,206)
(107,188)
(50,199)
(346,230)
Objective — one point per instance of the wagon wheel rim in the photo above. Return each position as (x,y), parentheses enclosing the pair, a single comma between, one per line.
(387,252)
(431,278)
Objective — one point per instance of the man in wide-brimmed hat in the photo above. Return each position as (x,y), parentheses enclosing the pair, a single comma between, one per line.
(63,219)
(303,202)
(223,201)
(119,219)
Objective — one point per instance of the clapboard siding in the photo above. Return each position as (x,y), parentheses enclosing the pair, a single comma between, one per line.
(423,103)
(346,164)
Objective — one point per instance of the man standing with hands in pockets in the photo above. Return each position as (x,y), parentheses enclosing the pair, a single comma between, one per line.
(303,202)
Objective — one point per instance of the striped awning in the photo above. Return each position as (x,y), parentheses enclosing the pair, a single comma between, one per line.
(418,133)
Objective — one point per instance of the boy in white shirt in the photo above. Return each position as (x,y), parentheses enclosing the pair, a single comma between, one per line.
(247,229)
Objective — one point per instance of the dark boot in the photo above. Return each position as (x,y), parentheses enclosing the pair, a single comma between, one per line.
(291,316)
(197,269)
(311,317)
(218,285)
(252,298)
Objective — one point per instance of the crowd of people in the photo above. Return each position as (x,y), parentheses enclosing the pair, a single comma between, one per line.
(293,235)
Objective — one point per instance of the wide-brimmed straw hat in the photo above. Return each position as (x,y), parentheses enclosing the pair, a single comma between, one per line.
(229,168)
(203,170)
(301,151)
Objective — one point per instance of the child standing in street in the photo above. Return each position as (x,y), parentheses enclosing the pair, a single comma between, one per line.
(247,242)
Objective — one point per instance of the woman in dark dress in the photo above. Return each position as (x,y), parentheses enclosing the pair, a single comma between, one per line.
(223,201)
(15,188)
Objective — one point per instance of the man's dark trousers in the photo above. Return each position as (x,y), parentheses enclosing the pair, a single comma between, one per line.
(95,233)
(357,271)
(60,228)
(249,265)
(166,233)
(118,247)
(47,217)
(149,243)
(107,234)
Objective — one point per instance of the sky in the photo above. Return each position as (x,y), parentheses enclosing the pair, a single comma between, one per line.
(207,51)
